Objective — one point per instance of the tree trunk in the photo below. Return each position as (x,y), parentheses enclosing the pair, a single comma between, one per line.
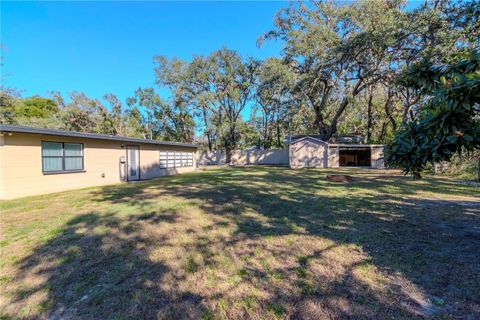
(209,142)
(279,143)
(388,112)
(318,107)
(230,144)
(370,115)
(406,108)
(323,129)
(228,154)
(319,122)
(383,132)
(207,130)
(343,105)
(478,170)
(333,127)
(266,140)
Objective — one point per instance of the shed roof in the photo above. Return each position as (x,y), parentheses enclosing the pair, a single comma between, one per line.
(52,132)
(298,138)
(308,137)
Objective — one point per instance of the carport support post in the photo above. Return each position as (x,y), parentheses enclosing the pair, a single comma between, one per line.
(478,169)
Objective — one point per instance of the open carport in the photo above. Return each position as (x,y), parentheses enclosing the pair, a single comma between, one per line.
(355,156)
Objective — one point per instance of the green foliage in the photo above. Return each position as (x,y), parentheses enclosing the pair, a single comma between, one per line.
(15,110)
(337,52)
(80,113)
(218,88)
(37,107)
(275,82)
(448,120)
(9,99)
(463,166)
(170,120)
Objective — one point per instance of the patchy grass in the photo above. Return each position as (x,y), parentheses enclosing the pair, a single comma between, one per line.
(254,242)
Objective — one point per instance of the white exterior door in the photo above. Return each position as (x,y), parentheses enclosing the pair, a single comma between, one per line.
(133,163)
(316,155)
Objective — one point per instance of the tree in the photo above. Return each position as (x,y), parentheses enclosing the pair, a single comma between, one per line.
(432,31)
(337,52)
(232,82)
(33,111)
(163,120)
(274,85)
(148,101)
(79,114)
(175,75)
(117,115)
(133,123)
(218,87)
(190,83)
(9,99)
(448,119)
(37,107)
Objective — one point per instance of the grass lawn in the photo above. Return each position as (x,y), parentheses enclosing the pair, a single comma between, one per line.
(254,242)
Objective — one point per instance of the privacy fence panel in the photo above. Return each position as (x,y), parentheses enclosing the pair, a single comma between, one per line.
(246,157)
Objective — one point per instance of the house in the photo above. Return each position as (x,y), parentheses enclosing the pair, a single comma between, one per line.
(309,151)
(38,161)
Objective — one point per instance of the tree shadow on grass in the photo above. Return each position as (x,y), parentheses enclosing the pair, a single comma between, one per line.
(432,244)
(99,267)
(309,244)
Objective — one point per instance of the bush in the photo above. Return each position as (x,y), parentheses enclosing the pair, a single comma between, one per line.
(464,166)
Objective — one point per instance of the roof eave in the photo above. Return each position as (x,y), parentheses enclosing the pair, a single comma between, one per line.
(31,130)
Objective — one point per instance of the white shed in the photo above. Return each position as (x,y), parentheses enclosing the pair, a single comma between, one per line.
(308,152)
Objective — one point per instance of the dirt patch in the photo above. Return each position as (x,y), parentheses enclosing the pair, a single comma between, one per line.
(340,178)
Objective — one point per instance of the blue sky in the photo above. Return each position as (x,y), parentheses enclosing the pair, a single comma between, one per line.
(101,47)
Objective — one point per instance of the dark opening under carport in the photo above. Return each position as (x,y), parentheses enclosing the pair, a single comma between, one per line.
(355,157)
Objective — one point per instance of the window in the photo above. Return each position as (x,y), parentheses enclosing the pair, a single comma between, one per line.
(171,159)
(62,157)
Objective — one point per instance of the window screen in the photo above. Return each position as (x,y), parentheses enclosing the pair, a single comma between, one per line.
(62,157)
(175,159)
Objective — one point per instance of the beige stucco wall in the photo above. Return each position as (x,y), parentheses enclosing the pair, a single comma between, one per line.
(333,157)
(150,158)
(377,157)
(308,153)
(21,164)
(2,180)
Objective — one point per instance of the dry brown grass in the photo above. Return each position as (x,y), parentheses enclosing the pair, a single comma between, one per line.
(245,243)
(339,178)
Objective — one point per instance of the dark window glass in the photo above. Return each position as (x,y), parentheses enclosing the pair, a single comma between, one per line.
(62,157)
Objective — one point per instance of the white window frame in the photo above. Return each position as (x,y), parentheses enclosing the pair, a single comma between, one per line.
(175,159)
